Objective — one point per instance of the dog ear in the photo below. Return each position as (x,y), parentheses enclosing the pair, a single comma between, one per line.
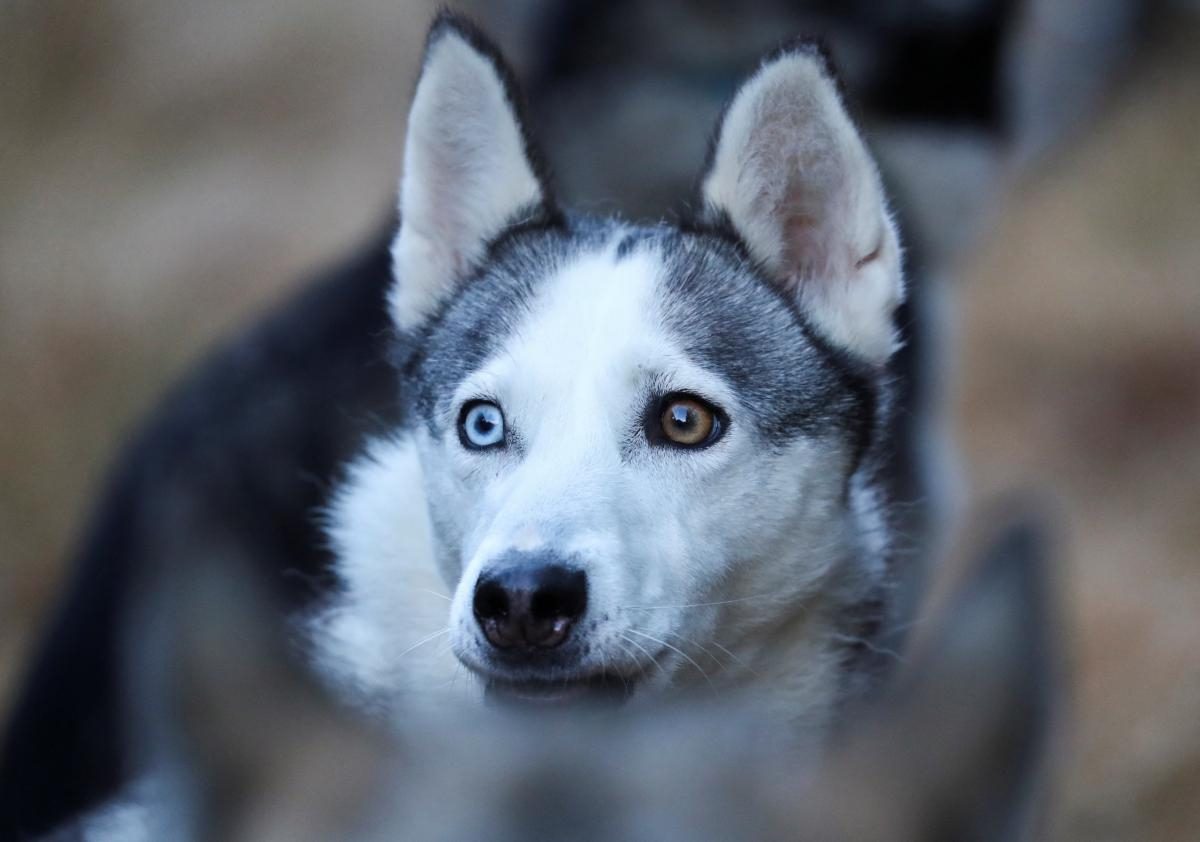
(958,748)
(789,171)
(253,745)
(469,169)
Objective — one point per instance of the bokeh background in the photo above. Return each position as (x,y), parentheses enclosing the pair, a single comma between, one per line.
(169,169)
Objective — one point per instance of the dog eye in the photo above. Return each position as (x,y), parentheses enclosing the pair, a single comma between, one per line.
(687,421)
(481,425)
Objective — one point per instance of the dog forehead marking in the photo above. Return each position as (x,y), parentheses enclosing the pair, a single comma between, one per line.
(597,302)
(589,335)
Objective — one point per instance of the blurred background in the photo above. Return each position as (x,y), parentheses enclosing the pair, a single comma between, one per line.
(168,170)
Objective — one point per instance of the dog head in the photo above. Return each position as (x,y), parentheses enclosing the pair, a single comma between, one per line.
(634,436)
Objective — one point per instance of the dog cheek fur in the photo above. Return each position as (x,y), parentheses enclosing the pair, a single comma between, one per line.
(366,639)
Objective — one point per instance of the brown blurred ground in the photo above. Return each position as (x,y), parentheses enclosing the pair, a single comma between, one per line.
(169,169)
(166,171)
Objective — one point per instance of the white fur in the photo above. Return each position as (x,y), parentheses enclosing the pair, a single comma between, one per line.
(136,815)
(798,184)
(706,568)
(380,637)
(465,175)
(120,822)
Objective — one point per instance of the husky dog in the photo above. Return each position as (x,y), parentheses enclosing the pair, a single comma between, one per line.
(252,440)
(954,749)
(641,459)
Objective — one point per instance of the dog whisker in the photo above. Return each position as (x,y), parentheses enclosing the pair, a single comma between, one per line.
(434,593)
(649,655)
(423,641)
(680,652)
(739,661)
(625,652)
(871,646)
(604,667)
(689,642)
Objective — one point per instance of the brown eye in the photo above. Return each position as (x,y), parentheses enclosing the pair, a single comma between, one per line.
(688,422)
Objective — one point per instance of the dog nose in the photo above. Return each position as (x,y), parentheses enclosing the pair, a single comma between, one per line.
(530,604)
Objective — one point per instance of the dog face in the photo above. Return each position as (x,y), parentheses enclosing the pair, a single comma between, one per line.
(638,440)
(649,424)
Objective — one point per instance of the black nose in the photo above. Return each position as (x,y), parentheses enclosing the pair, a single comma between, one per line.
(532,603)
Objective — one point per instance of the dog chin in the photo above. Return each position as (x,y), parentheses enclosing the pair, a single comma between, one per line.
(598,689)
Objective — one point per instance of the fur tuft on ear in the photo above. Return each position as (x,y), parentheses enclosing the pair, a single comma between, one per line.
(469,171)
(791,174)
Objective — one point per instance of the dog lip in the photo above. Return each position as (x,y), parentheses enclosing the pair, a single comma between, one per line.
(602,687)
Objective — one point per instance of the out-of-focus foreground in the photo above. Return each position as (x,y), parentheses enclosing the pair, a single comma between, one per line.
(169,169)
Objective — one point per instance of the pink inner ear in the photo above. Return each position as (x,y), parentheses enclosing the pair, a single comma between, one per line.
(807,253)
(804,253)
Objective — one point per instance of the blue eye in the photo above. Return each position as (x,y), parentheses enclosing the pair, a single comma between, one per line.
(481,425)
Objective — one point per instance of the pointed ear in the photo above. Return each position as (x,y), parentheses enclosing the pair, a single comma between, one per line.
(468,169)
(256,746)
(791,174)
(984,688)
(958,748)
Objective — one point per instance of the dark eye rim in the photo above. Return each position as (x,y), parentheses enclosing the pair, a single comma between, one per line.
(652,421)
(461,426)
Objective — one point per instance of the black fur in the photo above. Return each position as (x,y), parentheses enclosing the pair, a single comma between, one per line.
(251,441)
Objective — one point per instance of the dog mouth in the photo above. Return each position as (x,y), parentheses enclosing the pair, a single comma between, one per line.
(602,688)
